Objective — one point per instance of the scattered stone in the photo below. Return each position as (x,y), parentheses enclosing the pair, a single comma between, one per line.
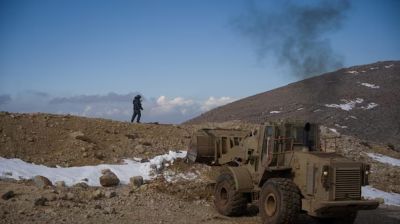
(8,195)
(81,185)
(110,194)
(99,155)
(60,184)
(153,166)
(97,207)
(143,187)
(30,139)
(380,200)
(136,181)
(144,160)
(40,201)
(108,179)
(140,148)
(147,143)
(62,196)
(51,197)
(109,210)
(42,182)
(80,136)
(97,194)
(76,134)
(70,196)
(105,171)
(132,136)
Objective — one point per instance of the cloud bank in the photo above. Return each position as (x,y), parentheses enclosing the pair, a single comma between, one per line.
(115,106)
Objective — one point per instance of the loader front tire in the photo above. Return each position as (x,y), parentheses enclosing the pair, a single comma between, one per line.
(280,201)
(227,200)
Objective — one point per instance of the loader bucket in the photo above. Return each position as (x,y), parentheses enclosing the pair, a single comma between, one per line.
(207,145)
(201,148)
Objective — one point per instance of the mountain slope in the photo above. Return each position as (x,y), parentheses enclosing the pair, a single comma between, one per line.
(362,100)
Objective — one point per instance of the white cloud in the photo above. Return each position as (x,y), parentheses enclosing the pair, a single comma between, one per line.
(213,102)
(165,105)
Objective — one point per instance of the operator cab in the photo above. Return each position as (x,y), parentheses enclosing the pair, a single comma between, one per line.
(293,136)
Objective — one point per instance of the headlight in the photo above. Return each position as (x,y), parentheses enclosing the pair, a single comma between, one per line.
(367,172)
(325,177)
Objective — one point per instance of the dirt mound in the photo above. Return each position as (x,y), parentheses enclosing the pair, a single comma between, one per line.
(75,141)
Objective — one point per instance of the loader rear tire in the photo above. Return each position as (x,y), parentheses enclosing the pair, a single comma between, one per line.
(280,201)
(227,200)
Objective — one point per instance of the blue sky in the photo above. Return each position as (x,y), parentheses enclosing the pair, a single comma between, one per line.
(185,57)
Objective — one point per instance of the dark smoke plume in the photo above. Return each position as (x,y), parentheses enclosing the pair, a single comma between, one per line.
(294,34)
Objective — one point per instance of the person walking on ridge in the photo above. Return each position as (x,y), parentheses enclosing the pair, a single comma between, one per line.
(137,107)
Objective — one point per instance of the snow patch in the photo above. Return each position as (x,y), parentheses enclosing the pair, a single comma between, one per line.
(369,192)
(374,68)
(370,106)
(334,131)
(340,126)
(384,159)
(354,117)
(348,105)
(300,108)
(275,112)
(370,85)
(72,175)
(352,72)
(389,66)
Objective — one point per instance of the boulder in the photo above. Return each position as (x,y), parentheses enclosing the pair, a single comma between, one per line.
(40,201)
(136,181)
(108,179)
(8,195)
(42,182)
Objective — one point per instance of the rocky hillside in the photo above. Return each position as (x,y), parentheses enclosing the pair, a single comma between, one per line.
(363,101)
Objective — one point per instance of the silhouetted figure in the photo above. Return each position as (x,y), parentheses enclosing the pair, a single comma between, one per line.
(137,107)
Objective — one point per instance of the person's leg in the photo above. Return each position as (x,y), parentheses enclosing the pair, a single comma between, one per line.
(133,116)
(138,117)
